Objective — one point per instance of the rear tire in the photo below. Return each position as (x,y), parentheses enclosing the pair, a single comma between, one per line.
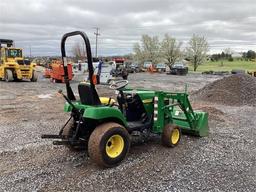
(171,135)
(8,75)
(108,144)
(34,76)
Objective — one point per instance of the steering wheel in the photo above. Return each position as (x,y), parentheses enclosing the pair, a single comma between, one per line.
(117,85)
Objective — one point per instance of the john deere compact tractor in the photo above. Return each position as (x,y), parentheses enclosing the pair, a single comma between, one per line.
(105,128)
(13,66)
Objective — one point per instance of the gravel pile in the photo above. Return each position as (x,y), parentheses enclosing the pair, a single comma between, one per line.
(232,90)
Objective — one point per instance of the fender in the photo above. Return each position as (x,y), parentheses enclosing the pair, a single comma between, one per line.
(98,113)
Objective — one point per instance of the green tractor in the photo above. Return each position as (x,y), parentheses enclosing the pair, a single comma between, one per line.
(105,128)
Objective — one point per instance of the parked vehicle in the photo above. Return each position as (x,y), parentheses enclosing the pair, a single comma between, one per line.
(106,75)
(147,64)
(118,68)
(55,71)
(161,67)
(13,65)
(133,68)
(178,69)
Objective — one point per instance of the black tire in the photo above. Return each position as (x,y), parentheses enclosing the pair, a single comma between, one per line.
(68,132)
(16,79)
(100,141)
(8,75)
(171,135)
(34,76)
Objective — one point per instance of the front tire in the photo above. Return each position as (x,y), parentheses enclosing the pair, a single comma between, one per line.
(34,76)
(171,135)
(8,75)
(108,144)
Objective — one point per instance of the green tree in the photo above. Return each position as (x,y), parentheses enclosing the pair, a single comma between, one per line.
(251,55)
(148,49)
(197,50)
(139,54)
(170,49)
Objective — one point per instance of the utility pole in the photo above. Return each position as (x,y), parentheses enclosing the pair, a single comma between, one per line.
(97,34)
(30,51)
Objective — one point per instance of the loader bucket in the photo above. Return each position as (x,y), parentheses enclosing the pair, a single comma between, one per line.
(200,129)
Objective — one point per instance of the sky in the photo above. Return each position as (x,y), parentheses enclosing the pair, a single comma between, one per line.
(38,25)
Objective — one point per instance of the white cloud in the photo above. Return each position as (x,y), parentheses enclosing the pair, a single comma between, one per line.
(41,23)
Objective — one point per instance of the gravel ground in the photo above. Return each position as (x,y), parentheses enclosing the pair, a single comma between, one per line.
(224,161)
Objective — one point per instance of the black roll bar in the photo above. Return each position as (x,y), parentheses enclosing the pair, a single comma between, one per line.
(70,93)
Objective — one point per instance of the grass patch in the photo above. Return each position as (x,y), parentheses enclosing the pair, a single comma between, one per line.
(227,66)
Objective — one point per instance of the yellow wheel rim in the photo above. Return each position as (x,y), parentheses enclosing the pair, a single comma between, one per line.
(114,146)
(175,136)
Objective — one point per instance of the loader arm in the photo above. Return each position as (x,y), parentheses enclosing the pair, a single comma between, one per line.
(175,108)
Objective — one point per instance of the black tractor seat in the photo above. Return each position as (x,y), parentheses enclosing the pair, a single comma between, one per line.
(88,94)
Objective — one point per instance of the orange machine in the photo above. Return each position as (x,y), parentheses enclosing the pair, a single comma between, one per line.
(48,69)
(55,71)
(152,69)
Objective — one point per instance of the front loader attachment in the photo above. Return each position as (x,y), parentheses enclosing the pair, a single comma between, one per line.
(175,108)
(200,127)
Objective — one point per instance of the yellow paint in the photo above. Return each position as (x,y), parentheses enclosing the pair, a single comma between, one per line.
(20,71)
(175,136)
(105,100)
(115,146)
(146,101)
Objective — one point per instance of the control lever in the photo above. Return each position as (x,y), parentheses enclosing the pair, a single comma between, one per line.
(68,100)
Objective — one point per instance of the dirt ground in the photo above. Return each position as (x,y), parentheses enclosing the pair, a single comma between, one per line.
(223,161)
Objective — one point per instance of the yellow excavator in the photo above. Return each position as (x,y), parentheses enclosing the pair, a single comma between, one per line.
(13,66)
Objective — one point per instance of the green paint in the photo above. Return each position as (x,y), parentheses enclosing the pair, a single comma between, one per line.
(172,108)
(97,112)
(104,112)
